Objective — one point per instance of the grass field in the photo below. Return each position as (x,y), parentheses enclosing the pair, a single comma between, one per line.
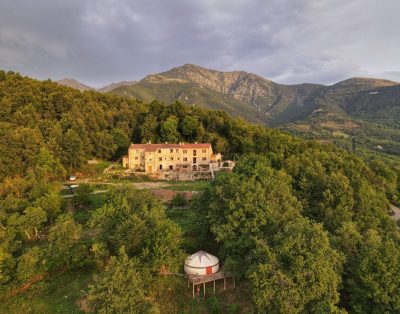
(188,185)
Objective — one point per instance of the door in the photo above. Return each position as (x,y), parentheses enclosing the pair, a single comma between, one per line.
(209,270)
(149,169)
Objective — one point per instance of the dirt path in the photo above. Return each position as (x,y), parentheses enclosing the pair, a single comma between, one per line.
(137,185)
(150,185)
(94,192)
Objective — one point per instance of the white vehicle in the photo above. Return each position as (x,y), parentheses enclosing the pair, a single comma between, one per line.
(71,178)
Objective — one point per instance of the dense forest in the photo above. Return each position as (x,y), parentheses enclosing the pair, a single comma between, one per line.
(304,225)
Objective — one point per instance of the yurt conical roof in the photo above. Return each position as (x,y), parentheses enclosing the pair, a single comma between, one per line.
(201,259)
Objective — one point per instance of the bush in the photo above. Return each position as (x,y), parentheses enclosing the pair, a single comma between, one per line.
(179,200)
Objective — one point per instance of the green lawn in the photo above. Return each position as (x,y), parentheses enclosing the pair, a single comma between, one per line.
(188,185)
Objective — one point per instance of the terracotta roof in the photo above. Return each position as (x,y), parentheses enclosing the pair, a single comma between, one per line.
(154,147)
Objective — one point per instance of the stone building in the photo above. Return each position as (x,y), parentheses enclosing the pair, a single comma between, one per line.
(182,157)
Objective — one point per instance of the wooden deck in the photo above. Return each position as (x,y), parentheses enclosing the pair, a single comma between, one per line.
(198,280)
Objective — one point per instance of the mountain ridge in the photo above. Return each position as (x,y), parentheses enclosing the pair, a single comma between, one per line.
(83,87)
(274,103)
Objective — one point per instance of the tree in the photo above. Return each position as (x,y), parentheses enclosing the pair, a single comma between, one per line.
(32,219)
(30,264)
(120,289)
(373,284)
(253,203)
(105,146)
(64,246)
(192,129)
(169,130)
(121,141)
(81,197)
(136,220)
(296,272)
(148,129)
(73,151)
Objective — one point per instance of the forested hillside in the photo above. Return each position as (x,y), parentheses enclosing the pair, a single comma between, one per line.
(364,109)
(303,225)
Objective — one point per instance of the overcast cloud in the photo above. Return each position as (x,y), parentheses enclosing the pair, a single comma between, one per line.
(288,41)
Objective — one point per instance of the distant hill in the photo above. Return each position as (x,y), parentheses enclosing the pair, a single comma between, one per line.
(249,95)
(82,87)
(74,84)
(239,93)
(112,86)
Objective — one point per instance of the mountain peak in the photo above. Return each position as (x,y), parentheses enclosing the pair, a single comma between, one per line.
(74,84)
(112,86)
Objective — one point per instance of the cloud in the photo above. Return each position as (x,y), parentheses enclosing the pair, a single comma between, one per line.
(289,41)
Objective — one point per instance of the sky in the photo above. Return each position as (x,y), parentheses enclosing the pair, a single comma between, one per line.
(288,41)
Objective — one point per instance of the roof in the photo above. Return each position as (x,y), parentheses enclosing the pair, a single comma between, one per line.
(201,259)
(154,147)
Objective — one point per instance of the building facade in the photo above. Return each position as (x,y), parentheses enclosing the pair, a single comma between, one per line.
(151,158)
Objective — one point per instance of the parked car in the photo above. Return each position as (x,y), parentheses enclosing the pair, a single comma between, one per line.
(71,178)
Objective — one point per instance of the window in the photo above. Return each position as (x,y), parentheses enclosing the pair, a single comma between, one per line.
(159,151)
(177,150)
(171,150)
(203,150)
(204,158)
(136,158)
(160,158)
(160,167)
(194,152)
(184,158)
(185,151)
(172,158)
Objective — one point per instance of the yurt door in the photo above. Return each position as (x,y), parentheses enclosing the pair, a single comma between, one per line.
(209,270)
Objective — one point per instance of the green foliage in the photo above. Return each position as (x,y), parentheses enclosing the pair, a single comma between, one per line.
(373,282)
(294,265)
(297,272)
(31,264)
(304,224)
(65,248)
(136,220)
(120,289)
(169,130)
(179,200)
(82,197)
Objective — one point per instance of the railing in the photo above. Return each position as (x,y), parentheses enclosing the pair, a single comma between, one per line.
(207,278)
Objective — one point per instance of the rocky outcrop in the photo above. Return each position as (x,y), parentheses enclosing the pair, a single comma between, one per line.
(243,86)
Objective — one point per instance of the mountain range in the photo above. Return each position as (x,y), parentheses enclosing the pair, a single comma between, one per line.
(82,87)
(333,111)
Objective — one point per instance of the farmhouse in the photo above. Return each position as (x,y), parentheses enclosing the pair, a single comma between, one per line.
(182,157)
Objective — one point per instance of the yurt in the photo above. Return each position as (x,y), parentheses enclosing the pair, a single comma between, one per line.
(201,263)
